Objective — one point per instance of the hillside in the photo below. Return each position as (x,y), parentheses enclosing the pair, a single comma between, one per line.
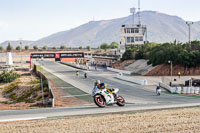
(164,70)
(161,28)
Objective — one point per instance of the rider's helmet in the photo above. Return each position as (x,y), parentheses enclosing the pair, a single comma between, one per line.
(102,86)
(97,82)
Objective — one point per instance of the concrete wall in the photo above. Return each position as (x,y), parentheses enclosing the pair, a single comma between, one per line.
(132,79)
(119,71)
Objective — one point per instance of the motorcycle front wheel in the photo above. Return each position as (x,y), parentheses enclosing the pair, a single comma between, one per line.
(120,101)
(99,101)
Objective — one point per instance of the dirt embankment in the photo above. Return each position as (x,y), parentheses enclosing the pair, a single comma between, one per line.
(121,65)
(23,93)
(168,121)
(165,70)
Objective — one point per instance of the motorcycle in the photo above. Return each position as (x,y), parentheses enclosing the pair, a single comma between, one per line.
(158,92)
(105,97)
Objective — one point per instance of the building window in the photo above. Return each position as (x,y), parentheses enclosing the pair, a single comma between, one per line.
(136,30)
(141,38)
(132,30)
(132,39)
(128,30)
(136,39)
(125,30)
(128,40)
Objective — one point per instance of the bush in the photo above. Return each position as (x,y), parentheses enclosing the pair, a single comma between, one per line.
(13,96)
(38,97)
(10,88)
(45,83)
(27,94)
(33,82)
(6,77)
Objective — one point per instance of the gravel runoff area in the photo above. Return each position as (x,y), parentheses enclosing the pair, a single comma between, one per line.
(179,120)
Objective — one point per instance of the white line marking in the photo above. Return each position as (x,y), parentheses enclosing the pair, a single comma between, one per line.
(22,119)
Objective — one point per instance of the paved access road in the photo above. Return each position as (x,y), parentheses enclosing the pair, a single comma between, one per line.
(137,97)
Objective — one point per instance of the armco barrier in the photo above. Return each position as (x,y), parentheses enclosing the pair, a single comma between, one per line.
(49,84)
(133,80)
(119,71)
(51,93)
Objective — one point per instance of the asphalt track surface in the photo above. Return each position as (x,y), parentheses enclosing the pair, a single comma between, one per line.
(136,96)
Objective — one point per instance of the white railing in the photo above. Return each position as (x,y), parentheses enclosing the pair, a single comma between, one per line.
(119,71)
(51,93)
(133,80)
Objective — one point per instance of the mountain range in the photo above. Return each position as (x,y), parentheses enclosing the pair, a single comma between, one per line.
(160,28)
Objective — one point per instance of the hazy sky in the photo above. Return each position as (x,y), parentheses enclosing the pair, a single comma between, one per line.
(34,19)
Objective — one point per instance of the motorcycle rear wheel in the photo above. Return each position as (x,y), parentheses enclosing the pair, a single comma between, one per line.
(99,101)
(120,101)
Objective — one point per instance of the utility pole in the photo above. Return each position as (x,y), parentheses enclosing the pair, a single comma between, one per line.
(171,69)
(41,80)
(189,33)
(21,52)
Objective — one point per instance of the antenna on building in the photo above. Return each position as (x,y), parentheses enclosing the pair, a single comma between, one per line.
(139,22)
(132,11)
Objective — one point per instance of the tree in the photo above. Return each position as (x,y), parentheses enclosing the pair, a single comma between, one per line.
(80,47)
(88,48)
(9,47)
(1,48)
(62,47)
(45,47)
(70,48)
(35,47)
(128,55)
(26,47)
(104,46)
(18,48)
(114,45)
(54,48)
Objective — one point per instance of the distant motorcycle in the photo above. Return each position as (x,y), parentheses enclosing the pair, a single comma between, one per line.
(104,98)
(158,91)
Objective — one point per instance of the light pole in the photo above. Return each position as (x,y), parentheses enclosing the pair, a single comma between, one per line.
(21,51)
(41,80)
(171,69)
(189,33)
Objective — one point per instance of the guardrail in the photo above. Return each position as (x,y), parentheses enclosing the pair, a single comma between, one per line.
(49,85)
(51,93)
(133,80)
(119,71)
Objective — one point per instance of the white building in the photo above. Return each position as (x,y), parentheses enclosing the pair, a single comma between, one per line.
(132,35)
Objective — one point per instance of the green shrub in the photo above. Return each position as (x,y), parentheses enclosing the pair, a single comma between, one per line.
(13,96)
(29,100)
(38,97)
(10,88)
(6,77)
(34,82)
(45,83)
(27,94)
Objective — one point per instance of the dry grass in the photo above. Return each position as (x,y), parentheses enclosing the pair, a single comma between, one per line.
(179,120)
